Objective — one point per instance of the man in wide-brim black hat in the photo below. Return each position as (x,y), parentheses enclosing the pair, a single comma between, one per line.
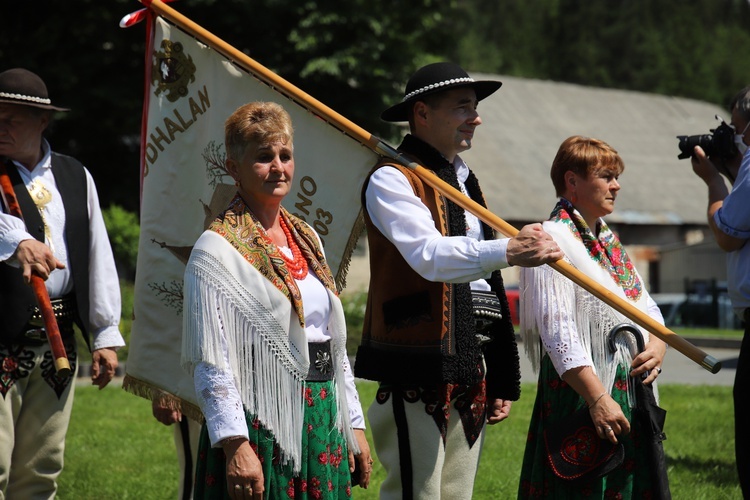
(438,334)
(59,236)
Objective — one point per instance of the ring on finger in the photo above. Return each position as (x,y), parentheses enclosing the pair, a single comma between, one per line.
(658,370)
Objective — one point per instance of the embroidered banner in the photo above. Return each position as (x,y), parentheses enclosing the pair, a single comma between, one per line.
(191,90)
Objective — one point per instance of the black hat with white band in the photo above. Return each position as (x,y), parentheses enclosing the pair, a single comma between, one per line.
(21,86)
(433,78)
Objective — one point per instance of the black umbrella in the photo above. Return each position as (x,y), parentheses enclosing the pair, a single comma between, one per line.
(650,416)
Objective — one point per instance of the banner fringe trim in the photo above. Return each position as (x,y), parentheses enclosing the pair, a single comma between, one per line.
(351,244)
(152,392)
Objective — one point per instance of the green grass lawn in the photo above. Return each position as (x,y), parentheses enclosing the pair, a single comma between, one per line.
(116,449)
(709,332)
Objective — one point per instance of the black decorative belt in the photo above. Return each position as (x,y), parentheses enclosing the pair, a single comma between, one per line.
(38,336)
(65,313)
(487,310)
(65,310)
(321,361)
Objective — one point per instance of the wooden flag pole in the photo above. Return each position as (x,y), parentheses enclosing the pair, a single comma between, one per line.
(362,136)
(705,360)
(265,75)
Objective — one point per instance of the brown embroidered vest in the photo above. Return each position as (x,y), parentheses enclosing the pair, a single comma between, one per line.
(422,332)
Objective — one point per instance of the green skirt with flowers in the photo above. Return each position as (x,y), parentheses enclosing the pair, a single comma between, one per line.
(324,472)
(555,399)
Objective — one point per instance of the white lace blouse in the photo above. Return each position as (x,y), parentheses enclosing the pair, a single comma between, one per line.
(560,334)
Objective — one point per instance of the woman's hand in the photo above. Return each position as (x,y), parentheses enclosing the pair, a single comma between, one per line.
(364,459)
(244,472)
(650,360)
(609,420)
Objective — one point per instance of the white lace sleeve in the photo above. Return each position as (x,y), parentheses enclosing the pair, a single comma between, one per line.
(554,301)
(219,399)
(220,402)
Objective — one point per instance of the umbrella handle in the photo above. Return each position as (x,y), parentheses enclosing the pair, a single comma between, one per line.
(623,328)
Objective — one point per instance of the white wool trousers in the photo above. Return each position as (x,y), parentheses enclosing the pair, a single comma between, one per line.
(187,435)
(418,466)
(35,407)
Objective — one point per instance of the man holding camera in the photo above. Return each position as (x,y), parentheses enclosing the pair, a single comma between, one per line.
(729,220)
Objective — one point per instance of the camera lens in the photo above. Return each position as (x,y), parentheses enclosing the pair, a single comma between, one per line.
(688,142)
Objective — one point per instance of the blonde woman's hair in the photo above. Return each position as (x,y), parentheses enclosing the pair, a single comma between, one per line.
(256,123)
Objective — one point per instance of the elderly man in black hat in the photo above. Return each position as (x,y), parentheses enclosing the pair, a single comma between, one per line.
(62,239)
(438,334)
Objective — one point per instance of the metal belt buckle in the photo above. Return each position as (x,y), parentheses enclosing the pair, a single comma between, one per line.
(323,362)
(36,319)
(36,335)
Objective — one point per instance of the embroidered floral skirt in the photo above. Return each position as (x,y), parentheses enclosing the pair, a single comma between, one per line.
(556,399)
(325,466)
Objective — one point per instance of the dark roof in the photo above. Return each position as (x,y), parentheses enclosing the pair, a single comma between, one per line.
(525,122)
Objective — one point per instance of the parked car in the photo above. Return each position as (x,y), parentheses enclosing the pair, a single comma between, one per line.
(670,305)
(697,310)
(514,298)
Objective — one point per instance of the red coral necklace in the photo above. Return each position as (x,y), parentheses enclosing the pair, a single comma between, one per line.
(297,265)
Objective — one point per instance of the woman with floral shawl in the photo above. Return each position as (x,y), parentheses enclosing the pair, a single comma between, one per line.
(565,329)
(264,336)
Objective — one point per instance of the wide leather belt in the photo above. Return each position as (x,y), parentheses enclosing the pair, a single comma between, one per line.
(38,336)
(65,310)
(487,310)
(321,361)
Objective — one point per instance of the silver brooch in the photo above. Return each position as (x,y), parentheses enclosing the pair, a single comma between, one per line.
(323,362)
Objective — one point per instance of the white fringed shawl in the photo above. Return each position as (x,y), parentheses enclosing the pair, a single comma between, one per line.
(266,345)
(571,323)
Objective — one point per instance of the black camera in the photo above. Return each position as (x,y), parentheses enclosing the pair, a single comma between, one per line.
(718,144)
